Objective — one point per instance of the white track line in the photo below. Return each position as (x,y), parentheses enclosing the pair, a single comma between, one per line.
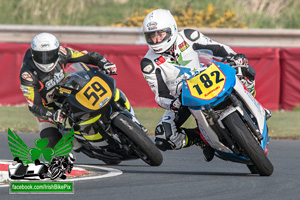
(111,172)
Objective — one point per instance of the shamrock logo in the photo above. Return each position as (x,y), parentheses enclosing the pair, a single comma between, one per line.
(41,149)
(19,149)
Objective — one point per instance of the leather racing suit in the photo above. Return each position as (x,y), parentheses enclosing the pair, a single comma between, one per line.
(38,87)
(163,72)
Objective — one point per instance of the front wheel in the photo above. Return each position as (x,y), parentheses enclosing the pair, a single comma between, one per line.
(145,148)
(247,142)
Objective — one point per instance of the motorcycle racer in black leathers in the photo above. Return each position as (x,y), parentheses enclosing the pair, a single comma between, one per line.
(171,55)
(42,69)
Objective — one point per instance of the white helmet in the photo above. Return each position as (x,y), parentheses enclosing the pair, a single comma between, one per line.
(44,50)
(160,21)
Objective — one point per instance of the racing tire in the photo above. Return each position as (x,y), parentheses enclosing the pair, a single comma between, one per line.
(147,150)
(252,169)
(246,141)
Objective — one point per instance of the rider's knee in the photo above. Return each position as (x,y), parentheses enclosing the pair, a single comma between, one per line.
(168,139)
(52,134)
(162,144)
(161,138)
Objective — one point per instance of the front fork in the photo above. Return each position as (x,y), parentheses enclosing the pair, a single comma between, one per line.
(122,103)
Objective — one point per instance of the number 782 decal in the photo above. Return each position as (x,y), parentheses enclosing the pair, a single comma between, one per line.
(208,84)
(95,94)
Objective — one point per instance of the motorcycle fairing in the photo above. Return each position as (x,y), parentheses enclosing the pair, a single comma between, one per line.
(95,94)
(91,94)
(208,88)
(256,110)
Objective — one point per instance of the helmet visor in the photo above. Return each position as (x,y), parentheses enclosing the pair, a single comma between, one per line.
(158,36)
(45,57)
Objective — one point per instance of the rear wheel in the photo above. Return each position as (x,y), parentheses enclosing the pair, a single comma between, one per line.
(144,147)
(247,142)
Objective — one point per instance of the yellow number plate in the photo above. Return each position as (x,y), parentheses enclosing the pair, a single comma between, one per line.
(208,84)
(93,93)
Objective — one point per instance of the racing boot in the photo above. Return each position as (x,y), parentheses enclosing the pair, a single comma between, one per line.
(193,137)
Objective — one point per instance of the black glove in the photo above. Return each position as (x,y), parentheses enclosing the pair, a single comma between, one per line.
(109,68)
(175,104)
(236,60)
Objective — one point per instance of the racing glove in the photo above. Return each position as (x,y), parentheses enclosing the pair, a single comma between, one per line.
(109,68)
(236,60)
(58,116)
(175,105)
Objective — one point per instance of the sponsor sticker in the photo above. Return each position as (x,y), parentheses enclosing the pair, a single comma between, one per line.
(160,60)
(63,90)
(183,46)
(151,26)
(26,76)
(63,50)
(57,78)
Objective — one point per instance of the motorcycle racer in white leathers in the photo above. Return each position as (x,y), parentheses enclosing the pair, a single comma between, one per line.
(169,59)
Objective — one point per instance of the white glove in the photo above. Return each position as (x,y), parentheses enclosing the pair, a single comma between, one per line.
(236,60)
(109,68)
(58,116)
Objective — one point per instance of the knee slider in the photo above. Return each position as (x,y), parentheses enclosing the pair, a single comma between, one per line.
(52,134)
(162,144)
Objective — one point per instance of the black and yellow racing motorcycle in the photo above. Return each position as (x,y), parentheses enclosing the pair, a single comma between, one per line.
(102,118)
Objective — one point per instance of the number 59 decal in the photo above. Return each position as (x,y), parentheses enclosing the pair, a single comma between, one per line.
(94,93)
(208,84)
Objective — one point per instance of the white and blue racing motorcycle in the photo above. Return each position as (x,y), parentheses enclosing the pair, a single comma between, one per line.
(230,119)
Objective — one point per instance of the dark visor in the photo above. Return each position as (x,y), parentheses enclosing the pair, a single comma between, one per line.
(149,34)
(45,57)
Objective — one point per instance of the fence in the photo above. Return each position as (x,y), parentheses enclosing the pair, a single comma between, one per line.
(277,80)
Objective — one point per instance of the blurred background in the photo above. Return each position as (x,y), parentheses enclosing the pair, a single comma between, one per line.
(266,31)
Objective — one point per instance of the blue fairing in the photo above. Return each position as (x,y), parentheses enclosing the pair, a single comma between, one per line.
(232,157)
(197,103)
(266,139)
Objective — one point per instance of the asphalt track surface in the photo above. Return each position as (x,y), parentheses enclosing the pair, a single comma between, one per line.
(183,175)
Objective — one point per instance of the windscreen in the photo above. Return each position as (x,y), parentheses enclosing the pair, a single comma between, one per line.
(76,76)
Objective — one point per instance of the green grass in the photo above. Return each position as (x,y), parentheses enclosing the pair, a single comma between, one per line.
(18,119)
(281,125)
(255,13)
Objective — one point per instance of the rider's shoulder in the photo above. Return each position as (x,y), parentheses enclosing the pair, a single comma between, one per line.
(28,64)
(191,34)
(147,65)
(64,51)
(27,74)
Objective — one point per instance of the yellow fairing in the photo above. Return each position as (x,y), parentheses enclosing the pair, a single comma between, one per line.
(96,136)
(208,84)
(127,104)
(91,121)
(117,97)
(77,133)
(95,94)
